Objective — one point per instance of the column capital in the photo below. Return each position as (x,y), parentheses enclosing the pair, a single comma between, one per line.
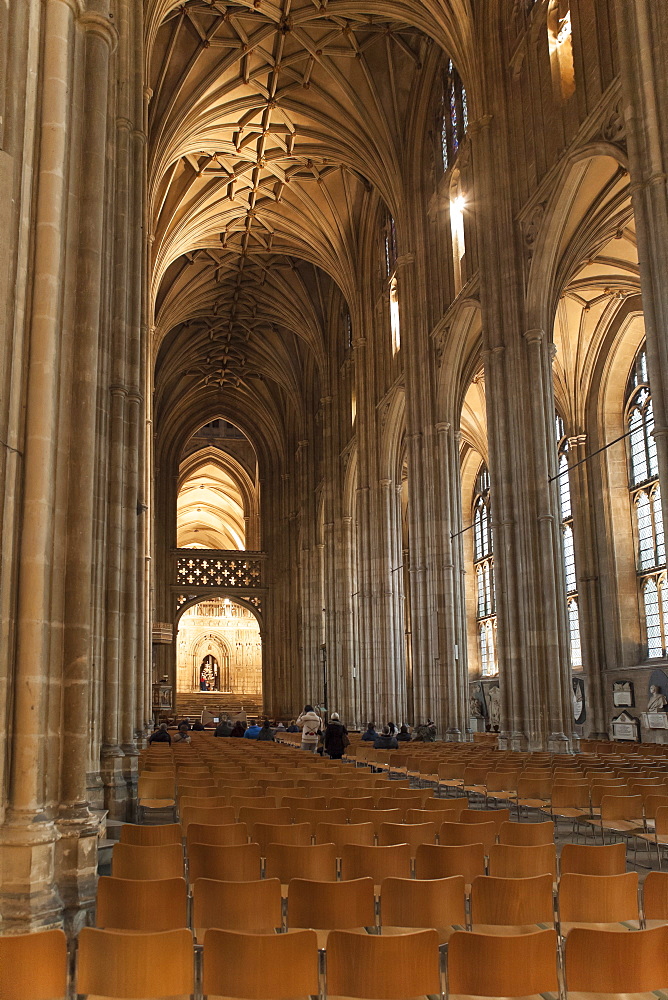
(534,336)
(95,23)
(443,427)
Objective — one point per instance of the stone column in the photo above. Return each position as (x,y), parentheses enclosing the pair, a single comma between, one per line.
(77,846)
(29,897)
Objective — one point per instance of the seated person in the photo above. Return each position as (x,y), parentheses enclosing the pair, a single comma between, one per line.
(293,727)
(198,727)
(403,735)
(252,732)
(266,732)
(160,735)
(224,727)
(370,735)
(182,734)
(385,740)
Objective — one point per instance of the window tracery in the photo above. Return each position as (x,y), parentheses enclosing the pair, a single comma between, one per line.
(483,565)
(645,492)
(568,545)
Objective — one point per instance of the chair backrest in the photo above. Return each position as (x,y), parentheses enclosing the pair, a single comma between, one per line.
(157,862)
(468,833)
(257,966)
(434,861)
(604,962)
(655,896)
(360,861)
(211,833)
(570,795)
(204,814)
(316,862)
(150,836)
(598,899)
(33,966)
(495,816)
(527,834)
(317,816)
(370,965)
(624,807)
(425,903)
(141,904)
(598,792)
(274,815)
(135,964)
(376,816)
(189,801)
(295,802)
(491,965)
(235,863)
(512,901)
(412,834)
(344,833)
(534,787)
(436,816)
(254,906)
(592,859)
(331,905)
(511,861)
(150,786)
(298,834)
(351,802)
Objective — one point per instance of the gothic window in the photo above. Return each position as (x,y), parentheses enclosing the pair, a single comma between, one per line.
(568,545)
(347,331)
(454,116)
(646,504)
(483,565)
(389,246)
(560,40)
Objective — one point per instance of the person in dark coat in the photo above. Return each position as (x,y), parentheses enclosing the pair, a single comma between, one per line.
(370,735)
(198,727)
(403,735)
(293,727)
(266,733)
(160,735)
(238,729)
(385,741)
(335,745)
(224,728)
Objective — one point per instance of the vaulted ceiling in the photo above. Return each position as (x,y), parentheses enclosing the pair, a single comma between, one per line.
(275,129)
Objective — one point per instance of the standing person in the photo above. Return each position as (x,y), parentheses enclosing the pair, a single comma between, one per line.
(310,723)
(266,732)
(336,738)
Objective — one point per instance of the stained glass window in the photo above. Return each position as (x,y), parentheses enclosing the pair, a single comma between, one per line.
(454,115)
(483,562)
(568,543)
(646,506)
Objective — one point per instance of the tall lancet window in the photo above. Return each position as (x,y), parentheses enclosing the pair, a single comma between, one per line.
(568,547)
(390,269)
(483,564)
(454,115)
(646,502)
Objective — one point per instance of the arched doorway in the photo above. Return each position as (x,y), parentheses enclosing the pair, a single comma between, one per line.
(218,659)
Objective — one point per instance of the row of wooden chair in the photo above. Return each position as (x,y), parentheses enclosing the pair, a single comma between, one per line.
(127,965)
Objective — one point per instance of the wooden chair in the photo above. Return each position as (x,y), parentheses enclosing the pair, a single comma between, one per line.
(510,861)
(314,817)
(33,966)
(204,814)
(362,861)
(329,906)
(533,792)
(351,803)
(436,816)
(141,904)
(501,785)
(236,863)
(446,806)
(316,862)
(600,963)
(377,967)
(202,802)
(155,792)
(495,816)
(376,817)
(150,836)
(407,904)
(588,859)
(513,965)
(527,834)
(475,779)
(295,803)
(344,833)
(255,907)
(602,902)
(264,834)
(659,835)
(219,834)
(260,966)
(511,905)
(158,862)
(455,834)
(620,814)
(434,861)
(412,834)
(239,802)
(655,899)
(126,964)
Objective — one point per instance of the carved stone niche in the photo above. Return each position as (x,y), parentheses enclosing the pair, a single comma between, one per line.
(614,126)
